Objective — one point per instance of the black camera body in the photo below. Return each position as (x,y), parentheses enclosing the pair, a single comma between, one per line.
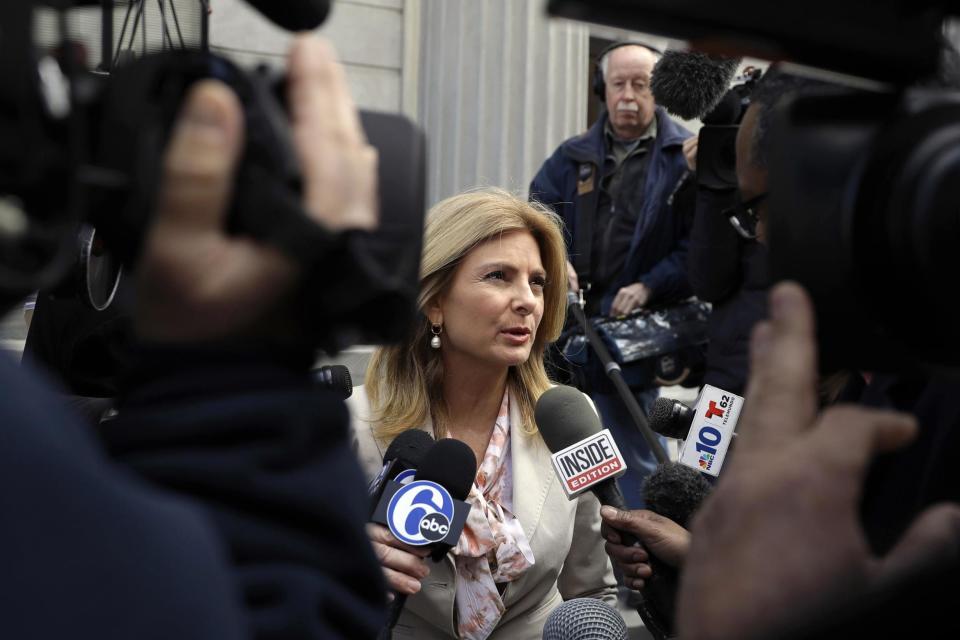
(864,214)
(109,150)
(717,147)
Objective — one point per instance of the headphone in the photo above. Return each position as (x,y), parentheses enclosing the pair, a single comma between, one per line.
(599,85)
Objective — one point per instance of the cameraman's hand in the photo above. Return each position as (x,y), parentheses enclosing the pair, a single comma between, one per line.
(195,282)
(339,167)
(779,542)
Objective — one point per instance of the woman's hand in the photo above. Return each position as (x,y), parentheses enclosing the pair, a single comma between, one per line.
(403,566)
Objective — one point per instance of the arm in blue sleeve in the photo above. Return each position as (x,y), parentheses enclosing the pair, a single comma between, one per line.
(668,279)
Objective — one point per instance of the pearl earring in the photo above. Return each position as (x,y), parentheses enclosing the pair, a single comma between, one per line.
(436,330)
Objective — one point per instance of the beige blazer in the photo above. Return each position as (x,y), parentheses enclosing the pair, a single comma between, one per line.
(570,561)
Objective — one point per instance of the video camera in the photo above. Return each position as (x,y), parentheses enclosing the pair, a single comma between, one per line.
(81,153)
(717,147)
(864,180)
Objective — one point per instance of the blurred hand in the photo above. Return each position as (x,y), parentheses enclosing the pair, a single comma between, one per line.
(195,282)
(629,299)
(339,167)
(572,281)
(403,566)
(690,146)
(780,539)
(661,537)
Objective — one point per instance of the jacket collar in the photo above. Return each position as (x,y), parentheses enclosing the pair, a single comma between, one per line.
(591,146)
(532,473)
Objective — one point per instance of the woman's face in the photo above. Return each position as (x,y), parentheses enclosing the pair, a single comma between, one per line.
(494,304)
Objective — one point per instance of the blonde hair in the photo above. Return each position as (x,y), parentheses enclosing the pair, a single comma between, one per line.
(404,381)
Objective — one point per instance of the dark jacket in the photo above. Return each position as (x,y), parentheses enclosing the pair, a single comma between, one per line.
(657,254)
(249,437)
(730,273)
(88,551)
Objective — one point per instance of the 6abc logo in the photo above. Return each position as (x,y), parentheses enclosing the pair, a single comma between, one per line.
(420,513)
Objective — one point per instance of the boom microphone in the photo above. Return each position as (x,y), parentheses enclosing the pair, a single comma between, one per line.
(585,455)
(689,84)
(293,15)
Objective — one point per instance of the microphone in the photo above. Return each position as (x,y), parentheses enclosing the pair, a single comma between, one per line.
(431,509)
(585,455)
(712,429)
(673,491)
(585,619)
(707,430)
(689,84)
(671,418)
(402,458)
(335,377)
(451,464)
(293,15)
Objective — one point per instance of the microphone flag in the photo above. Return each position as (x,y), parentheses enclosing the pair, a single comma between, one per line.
(585,464)
(711,431)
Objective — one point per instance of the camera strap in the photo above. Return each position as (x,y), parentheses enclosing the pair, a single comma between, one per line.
(585,213)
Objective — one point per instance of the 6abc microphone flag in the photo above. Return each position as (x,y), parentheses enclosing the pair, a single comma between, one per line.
(430,508)
(421,513)
(427,510)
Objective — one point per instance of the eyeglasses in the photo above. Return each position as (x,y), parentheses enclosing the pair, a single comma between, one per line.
(744,216)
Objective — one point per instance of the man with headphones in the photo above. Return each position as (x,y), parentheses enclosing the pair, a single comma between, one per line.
(615,187)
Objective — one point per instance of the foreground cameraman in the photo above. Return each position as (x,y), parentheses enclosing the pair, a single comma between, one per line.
(779,550)
(873,533)
(220,410)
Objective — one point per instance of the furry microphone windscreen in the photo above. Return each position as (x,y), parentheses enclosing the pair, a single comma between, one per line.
(690,84)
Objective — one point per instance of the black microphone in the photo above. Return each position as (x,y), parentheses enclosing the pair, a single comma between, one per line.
(585,454)
(585,619)
(335,377)
(673,491)
(293,15)
(452,465)
(405,453)
(690,84)
(671,418)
